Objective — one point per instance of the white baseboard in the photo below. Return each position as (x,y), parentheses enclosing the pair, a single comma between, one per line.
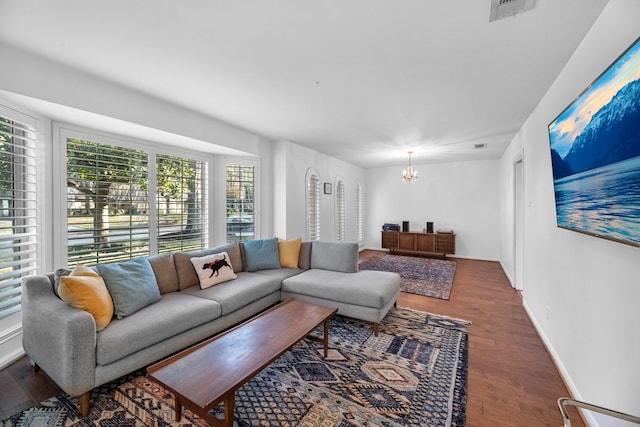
(8,359)
(575,394)
(11,346)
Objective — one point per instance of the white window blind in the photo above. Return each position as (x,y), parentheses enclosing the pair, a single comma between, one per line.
(313,208)
(107,202)
(181,210)
(18,213)
(109,215)
(240,202)
(359,213)
(340,212)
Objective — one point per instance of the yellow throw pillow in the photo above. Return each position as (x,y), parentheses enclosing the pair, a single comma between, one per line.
(289,252)
(85,289)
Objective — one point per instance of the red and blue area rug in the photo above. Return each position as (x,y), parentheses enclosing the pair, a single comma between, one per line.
(422,276)
(413,374)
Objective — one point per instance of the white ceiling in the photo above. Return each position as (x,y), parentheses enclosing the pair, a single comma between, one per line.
(360,80)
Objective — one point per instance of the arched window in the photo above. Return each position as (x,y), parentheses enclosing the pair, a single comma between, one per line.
(360,214)
(313,206)
(339,212)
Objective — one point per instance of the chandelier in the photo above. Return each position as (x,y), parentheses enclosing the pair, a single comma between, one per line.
(409,174)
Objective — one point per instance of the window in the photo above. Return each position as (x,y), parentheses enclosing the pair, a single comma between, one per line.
(240,202)
(107,202)
(110,213)
(340,220)
(180,209)
(18,224)
(359,214)
(313,207)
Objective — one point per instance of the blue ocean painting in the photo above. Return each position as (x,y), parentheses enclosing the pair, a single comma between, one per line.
(595,155)
(603,201)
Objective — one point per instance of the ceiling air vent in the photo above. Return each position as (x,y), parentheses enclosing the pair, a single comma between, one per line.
(504,8)
(479,146)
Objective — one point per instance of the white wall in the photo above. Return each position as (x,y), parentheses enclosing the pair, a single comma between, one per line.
(461,195)
(291,163)
(581,292)
(45,80)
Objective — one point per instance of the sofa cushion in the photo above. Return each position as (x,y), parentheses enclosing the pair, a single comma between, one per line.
(335,256)
(83,288)
(173,314)
(132,285)
(213,269)
(289,252)
(262,254)
(187,276)
(247,288)
(165,270)
(304,261)
(280,273)
(365,288)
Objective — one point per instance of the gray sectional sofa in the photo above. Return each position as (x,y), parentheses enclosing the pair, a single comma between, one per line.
(64,341)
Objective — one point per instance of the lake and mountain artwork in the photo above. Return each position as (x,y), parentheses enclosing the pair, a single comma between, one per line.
(595,155)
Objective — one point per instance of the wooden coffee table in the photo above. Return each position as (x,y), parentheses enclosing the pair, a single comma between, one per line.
(209,373)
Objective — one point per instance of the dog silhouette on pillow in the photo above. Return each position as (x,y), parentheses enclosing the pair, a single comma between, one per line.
(216,265)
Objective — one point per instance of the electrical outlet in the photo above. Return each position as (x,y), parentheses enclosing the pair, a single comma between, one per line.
(548,312)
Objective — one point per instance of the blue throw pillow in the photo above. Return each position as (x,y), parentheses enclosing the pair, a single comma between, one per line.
(132,285)
(262,254)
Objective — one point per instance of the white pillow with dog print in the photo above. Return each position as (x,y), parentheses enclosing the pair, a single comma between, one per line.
(213,269)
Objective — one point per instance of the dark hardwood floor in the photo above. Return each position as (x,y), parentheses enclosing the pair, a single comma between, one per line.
(512,379)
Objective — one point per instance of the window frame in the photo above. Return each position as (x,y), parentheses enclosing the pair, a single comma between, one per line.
(242,161)
(62,131)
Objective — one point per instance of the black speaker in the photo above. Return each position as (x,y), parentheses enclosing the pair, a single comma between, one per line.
(405,226)
(429,227)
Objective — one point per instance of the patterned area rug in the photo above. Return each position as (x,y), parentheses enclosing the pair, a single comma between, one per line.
(421,276)
(413,374)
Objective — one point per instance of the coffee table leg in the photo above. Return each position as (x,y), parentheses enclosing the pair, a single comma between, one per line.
(178,409)
(229,404)
(325,338)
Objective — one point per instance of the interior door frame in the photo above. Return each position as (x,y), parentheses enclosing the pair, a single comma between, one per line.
(518,223)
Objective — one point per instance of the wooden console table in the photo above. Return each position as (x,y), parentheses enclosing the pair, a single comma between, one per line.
(438,243)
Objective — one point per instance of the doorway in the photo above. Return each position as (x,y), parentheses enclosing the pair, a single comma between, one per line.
(518,224)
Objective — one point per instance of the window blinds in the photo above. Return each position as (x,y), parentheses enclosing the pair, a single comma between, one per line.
(107,202)
(109,216)
(240,202)
(181,210)
(360,214)
(18,213)
(340,212)
(313,208)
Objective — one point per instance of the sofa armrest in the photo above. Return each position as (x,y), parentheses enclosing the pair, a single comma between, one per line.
(61,339)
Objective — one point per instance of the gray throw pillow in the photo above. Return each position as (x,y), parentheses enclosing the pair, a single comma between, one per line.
(132,285)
